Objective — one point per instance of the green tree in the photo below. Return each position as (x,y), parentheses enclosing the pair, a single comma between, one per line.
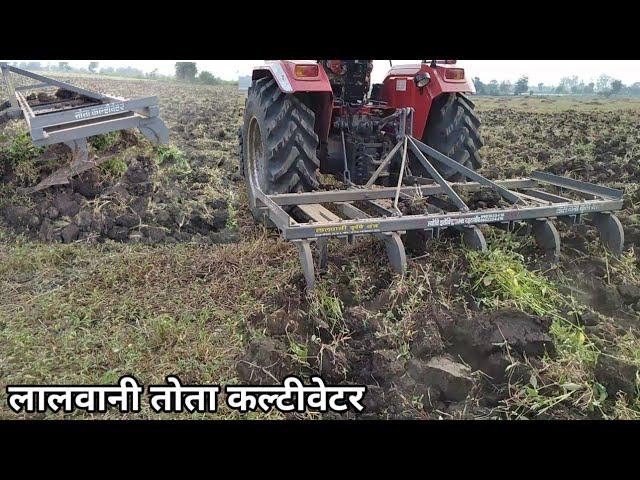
(481,88)
(93,66)
(506,88)
(208,78)
(578,88)
(616,86)
(603,84)
(494,88)
(540,87)
(64,66)
(522,85)
(569,84)
(186,71)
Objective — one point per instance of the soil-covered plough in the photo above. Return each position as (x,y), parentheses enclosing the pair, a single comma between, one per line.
(537,201)
(72,114)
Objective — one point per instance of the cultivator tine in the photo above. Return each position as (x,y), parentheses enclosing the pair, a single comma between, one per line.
(610,230)
(547,237)
(395,252)
(473,238)
(155,131)
(323,254)
(306,261)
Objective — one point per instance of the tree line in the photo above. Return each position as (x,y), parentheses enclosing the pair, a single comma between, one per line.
(92,67)
(188,72)
(604,85)
(184,71)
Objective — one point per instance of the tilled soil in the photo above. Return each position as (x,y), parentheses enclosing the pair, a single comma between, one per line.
(150,201)
(133,209)
(437,376)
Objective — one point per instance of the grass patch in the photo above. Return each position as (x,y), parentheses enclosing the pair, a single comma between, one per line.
(232,219)
(21,149)
(19,154)
(115,167)
(87,314)
(104,141)
(325,304)
(499,279)
(173,156)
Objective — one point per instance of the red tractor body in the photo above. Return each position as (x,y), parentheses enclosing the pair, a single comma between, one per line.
(325,116)
(398,88)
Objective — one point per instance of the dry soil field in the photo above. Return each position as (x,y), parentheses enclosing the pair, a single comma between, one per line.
(151,265)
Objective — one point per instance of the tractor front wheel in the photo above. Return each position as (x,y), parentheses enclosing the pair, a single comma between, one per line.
(277,144)
(453,128)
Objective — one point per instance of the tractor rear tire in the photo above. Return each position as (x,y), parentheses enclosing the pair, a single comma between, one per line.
(453,128)
(277,144)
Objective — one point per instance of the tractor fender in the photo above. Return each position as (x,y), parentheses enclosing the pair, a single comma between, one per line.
(315,90)
(399,90)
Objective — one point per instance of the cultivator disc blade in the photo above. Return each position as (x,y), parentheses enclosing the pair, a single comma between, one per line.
(535,202)
(71,114)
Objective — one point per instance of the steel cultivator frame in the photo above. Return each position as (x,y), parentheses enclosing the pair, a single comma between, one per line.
(71,121)
(537,200)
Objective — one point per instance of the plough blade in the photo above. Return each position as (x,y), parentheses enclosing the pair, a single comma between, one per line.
(155,131)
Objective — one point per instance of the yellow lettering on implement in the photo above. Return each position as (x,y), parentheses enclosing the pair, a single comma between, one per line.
(357,228)
(337,229)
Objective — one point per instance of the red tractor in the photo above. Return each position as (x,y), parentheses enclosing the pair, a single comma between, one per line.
(415,136)
(305,116)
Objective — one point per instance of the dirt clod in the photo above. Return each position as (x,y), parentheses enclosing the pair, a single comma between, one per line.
(66,205)
(450,378)
(19,216)
(616,375)
(70,233)
(486,341)
(265,362)
(427,340)
(385,366)
(630,293)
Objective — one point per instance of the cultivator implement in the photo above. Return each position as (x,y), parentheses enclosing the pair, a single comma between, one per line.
(73,114)
(537,201)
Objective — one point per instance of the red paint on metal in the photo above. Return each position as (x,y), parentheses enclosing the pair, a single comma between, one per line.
(400,90)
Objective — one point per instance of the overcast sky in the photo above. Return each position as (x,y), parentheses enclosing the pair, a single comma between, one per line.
(545,71)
